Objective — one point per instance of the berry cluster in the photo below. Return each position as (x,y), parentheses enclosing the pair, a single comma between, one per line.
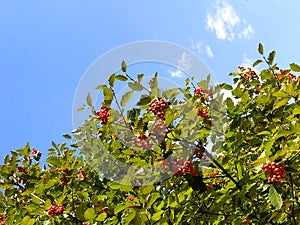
(248,73)
(199,154)
(158,107)
(158,131)
(276,172)
(141,141)
(64,181)
(56,210)
(201,91)
(83,173)
(21,169)
(203,113)
(85,223)
(103,114)
(286,73)
(2,219)
(36,154)
(212,175)
(179,170)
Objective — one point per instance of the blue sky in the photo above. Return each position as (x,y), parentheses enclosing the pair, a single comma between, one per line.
(45,47)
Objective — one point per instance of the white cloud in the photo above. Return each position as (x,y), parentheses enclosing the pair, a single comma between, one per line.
(247,32)
(209,52)
(197,46)
(226,24)
(183,65)
(176,73)
(246,62)
(200,47)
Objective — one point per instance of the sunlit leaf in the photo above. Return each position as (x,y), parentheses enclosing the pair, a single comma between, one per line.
(295,67)
(275,198)
(123,66)
(260,49)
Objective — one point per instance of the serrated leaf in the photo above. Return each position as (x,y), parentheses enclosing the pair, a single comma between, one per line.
(260,48)
(123,66)
(89,99)
(108,94)
(153,83)
(121,77)
(111,80)
(126,97)
(275,198)
(89,214)
(295,67)
(257,62)
(271,57)
(135,86)
(144,100)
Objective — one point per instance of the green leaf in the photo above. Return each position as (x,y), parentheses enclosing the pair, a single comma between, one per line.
(111,80)
(281,103)
(260,49)
(130,216)
(121,77)
(226,86)
(257,62)
(145,100)
(140,77)
(101,217)
(156,216)
(119,208)
(275,198)
(296,110)
(89,214)
(153,83)
(89,99)
(153,198)
(67,136)
(135,86)
(295,67)
(126,97)
(27,221)
(123,66)
(108,95)
(203,84)
(147,189)
(271,57)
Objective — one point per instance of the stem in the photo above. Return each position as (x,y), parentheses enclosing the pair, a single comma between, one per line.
(275,76)
(202,148)
(38,198)
(136,81)
(119,107)
(294,199)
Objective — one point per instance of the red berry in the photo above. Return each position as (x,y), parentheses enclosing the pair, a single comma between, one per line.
(103,114)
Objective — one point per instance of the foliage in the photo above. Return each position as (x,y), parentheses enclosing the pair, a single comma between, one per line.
(148,164)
